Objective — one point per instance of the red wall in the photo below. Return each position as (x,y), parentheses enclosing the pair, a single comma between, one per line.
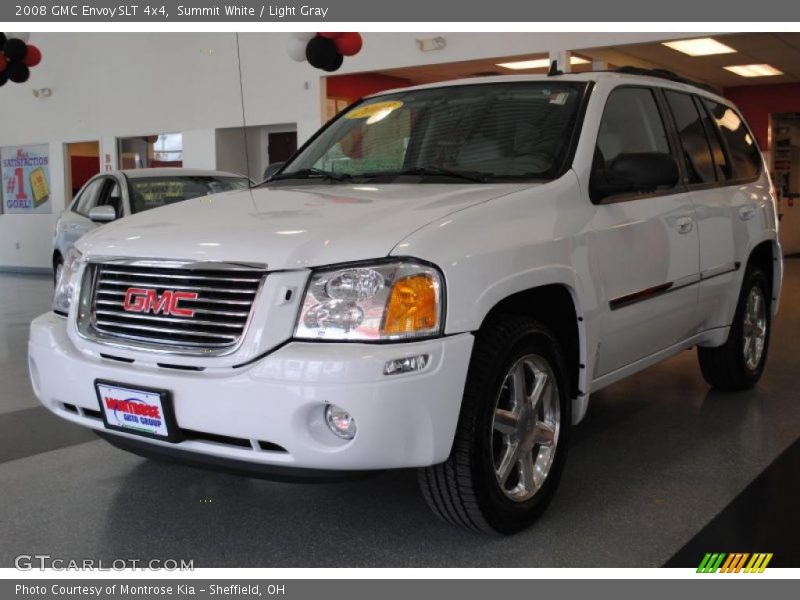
(83,169)
(758,102)
(353,87)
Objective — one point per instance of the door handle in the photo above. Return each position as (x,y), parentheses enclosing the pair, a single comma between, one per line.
(747,212)
(684,224)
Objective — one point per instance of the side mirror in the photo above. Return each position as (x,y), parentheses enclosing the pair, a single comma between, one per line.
(273,168)
(102,214)
(639,172)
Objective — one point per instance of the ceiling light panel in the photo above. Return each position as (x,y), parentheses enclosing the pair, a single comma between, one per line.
(754,70)
(700,47)
(539,63)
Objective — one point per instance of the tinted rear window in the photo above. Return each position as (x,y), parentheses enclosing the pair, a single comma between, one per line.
(696,151)
(742,148)
(152,192)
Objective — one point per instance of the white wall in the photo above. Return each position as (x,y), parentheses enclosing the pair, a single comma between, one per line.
(200,148)
(116,85)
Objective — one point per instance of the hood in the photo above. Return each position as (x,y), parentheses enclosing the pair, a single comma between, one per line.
(288,228)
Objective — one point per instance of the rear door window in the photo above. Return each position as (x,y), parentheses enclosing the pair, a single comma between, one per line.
(742,149)
(696,150)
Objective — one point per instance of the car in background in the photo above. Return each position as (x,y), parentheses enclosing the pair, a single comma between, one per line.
(115,194)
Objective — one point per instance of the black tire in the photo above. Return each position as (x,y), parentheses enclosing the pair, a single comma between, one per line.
(725,368)
(464,490)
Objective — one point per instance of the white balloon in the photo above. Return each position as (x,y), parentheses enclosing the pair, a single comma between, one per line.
(19,36)
(296,49)
(303,36)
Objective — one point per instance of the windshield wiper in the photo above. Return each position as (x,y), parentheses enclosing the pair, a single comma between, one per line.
(312,173)
(437,171)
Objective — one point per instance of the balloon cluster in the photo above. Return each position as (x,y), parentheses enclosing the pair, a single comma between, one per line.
(324,51)
(17,57)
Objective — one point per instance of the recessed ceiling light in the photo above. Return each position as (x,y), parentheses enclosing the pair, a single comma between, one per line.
(699,47)
(754,70)
(539,63)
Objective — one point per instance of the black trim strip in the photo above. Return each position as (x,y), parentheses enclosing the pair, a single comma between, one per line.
(710,274)
(640,296)
(665,288)
(230,465)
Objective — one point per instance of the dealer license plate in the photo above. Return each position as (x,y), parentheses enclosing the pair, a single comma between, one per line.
(141,411)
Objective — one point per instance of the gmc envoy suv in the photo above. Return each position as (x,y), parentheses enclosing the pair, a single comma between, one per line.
(440,278)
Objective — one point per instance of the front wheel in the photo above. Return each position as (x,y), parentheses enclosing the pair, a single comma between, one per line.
(512,435)
(739,363)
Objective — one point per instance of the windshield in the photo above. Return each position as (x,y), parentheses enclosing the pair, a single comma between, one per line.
(482,132)
(152,192)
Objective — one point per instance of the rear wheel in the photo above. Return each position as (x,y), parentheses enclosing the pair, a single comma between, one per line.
(512,434)
(739,363)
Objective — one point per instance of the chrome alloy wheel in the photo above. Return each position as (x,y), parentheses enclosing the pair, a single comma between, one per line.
(525,427)
(755,328)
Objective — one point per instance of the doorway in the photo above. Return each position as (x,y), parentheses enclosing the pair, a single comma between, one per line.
(281,145)
(82,163)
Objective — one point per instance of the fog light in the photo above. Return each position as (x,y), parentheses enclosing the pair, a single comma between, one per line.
(340,422)
(406,365)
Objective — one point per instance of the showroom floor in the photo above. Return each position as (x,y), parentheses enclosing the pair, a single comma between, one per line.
(661,471)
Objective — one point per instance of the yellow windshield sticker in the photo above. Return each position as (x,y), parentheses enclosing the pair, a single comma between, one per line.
(374,112)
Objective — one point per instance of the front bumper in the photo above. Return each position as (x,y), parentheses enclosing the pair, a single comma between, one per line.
(270,412)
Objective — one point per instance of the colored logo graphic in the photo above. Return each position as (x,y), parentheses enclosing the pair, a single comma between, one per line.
(720,562)
(133,411)
(148,300)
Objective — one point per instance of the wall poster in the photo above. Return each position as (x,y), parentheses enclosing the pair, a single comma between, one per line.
(26,179)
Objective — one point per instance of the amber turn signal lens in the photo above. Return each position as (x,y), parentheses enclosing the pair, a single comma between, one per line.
(413,306)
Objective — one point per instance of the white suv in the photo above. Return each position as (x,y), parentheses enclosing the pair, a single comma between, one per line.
(439,279)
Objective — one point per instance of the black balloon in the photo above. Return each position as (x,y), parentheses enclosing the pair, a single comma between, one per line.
(15,49)
(3,39)
(17,72)
(321,53)
(334,66)
(3,78)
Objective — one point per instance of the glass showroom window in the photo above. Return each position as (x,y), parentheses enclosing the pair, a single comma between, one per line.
(149,151)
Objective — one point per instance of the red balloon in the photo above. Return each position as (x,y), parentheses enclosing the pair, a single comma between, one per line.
(32,57)
(3,62)
(349,44)
(332,35)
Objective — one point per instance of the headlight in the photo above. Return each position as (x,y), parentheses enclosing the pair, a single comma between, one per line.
(389,301)
(67,282)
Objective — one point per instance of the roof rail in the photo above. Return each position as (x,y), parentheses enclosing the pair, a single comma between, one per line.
(664,74)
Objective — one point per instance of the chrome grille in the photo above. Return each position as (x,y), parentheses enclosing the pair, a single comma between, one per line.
(221,309)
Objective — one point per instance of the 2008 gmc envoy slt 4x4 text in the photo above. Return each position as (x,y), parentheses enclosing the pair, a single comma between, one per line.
(439,278)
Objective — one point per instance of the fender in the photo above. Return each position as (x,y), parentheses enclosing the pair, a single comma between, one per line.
(532,279)
(529,244)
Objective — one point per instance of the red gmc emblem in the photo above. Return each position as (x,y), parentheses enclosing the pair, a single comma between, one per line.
(149,301)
